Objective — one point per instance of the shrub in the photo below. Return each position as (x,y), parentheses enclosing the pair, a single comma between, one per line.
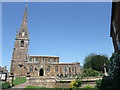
(88,72)
(76,83)
(98,83)
(88,87)
(5,85)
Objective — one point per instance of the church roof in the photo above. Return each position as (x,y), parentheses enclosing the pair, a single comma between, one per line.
(67,63)
(42,56)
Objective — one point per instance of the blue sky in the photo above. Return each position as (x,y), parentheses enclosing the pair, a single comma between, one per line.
(69,30)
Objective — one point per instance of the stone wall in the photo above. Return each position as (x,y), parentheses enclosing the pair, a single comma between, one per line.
(48,82)
(42,81)
(54,82)
(62,85)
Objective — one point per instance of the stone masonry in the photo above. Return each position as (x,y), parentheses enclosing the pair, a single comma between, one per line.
(22,63)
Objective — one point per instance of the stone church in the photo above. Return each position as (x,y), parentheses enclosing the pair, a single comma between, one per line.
(22,63)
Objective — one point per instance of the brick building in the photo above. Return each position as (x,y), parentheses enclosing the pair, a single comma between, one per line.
(22,63)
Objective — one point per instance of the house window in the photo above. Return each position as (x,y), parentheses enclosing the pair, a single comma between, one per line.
(48,59)
(48,68)
(56,68)
(54,60)
(36,59)
(31,68)
(69,69)
(65,69)
(22,44)
(73,69)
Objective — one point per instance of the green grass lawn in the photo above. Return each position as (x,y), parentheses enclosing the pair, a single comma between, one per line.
(43,88)
(34,88)
(19,80)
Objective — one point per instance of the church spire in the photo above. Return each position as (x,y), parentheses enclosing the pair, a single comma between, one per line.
(25,13)
(23,33)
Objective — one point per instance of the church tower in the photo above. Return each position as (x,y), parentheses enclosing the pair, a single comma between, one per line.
(20,50)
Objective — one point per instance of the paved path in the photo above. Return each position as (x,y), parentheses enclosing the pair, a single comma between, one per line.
(19,86)
(23,85)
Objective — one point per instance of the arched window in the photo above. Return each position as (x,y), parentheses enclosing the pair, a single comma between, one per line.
(22,43)
(31,68)
(56,68)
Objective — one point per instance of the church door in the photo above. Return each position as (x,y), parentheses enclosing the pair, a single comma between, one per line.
(41,72)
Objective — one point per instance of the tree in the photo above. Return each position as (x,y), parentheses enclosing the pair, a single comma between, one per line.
(96,62)
(87,60)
